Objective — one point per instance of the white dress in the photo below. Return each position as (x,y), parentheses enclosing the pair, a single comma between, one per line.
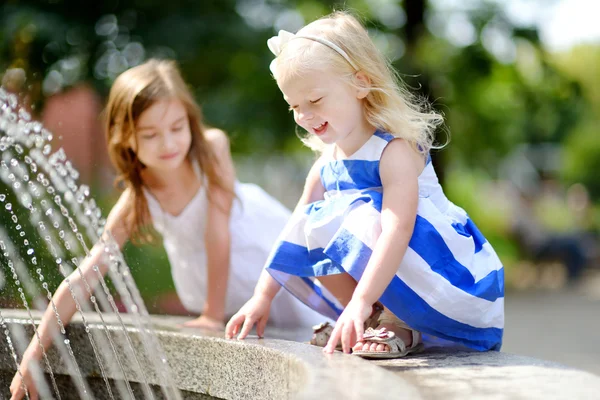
(256,221)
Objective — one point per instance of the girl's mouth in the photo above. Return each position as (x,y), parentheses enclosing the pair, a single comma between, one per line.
(320,129)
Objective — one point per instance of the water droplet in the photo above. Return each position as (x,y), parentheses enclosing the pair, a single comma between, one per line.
(58,260)
(18,227)
(19,148)
(46,150)
(67,341)
(30,251)
(49,211)
(2,197)
(22,234)
(61,234)
(14,162)
(17,185)
(8,206)
(26,242)
(45,285)
(14,218)
(93,299)
(41,278)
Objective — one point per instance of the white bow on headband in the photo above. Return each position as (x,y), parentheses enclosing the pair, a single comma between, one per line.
(276,44)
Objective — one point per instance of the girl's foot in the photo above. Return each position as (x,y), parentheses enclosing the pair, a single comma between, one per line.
(402,333)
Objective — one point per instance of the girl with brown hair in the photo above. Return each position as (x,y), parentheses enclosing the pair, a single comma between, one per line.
(179,179)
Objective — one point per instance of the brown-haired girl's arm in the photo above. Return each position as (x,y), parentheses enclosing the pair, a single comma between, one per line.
(217,237)
(256,310)
(63,300)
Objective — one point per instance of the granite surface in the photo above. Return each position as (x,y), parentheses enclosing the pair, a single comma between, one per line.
(203,365)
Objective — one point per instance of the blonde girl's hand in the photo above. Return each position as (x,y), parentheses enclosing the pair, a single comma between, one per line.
(349,327)
(204,322)
(255,311)
(22,380)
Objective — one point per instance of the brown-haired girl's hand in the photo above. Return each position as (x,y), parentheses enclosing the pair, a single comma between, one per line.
(22,380)
(255,311)
(204,322)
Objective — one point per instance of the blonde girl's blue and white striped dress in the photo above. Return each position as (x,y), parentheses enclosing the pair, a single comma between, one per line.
(450,284)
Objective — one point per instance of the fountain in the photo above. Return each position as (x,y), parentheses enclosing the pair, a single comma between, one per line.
(47,222)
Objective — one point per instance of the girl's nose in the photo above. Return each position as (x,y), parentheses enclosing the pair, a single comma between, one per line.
(305,116)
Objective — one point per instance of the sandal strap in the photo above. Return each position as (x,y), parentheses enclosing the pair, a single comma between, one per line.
(389,338)
(388,317)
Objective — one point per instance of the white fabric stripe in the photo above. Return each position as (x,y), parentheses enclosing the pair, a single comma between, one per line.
(364,225)
(461,247)
(450,301)
(371,151)
(294,230)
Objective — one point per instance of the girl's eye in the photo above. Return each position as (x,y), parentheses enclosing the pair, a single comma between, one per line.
(177,128)
(150,136)
(316,101)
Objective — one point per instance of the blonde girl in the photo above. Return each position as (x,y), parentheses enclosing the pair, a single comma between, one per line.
(373,224)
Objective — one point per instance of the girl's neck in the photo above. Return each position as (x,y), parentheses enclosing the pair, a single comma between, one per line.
(160,179)
(353,142)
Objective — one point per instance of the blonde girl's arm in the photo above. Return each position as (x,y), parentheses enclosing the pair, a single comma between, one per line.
(62,298)
(256,310)
(399,169)
(217,236)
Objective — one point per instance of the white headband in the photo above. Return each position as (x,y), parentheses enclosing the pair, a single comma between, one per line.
(276,44)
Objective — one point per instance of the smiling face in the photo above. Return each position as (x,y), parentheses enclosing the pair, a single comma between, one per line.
(163,136)
(325,105)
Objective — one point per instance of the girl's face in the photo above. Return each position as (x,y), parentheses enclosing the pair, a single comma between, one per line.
(163,135)
(325,105)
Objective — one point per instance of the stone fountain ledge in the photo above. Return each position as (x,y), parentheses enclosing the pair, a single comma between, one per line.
(280,369)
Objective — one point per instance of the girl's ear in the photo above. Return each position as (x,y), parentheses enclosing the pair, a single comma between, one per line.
(363,84)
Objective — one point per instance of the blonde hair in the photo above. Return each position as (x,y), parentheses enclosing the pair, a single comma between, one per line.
(133,92)
(388,106)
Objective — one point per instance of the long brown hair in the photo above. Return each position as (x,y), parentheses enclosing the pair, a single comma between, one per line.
(133,92)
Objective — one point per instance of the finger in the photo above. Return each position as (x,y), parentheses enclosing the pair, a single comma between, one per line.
(233,325)
(359,330)
(334,339)
(248,324)
(347,333)
(17,394)
(260,327)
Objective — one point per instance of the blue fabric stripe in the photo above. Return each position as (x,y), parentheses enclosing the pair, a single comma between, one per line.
(470,230)
(298,260)
(430,245)
(385,136)
(350,174)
